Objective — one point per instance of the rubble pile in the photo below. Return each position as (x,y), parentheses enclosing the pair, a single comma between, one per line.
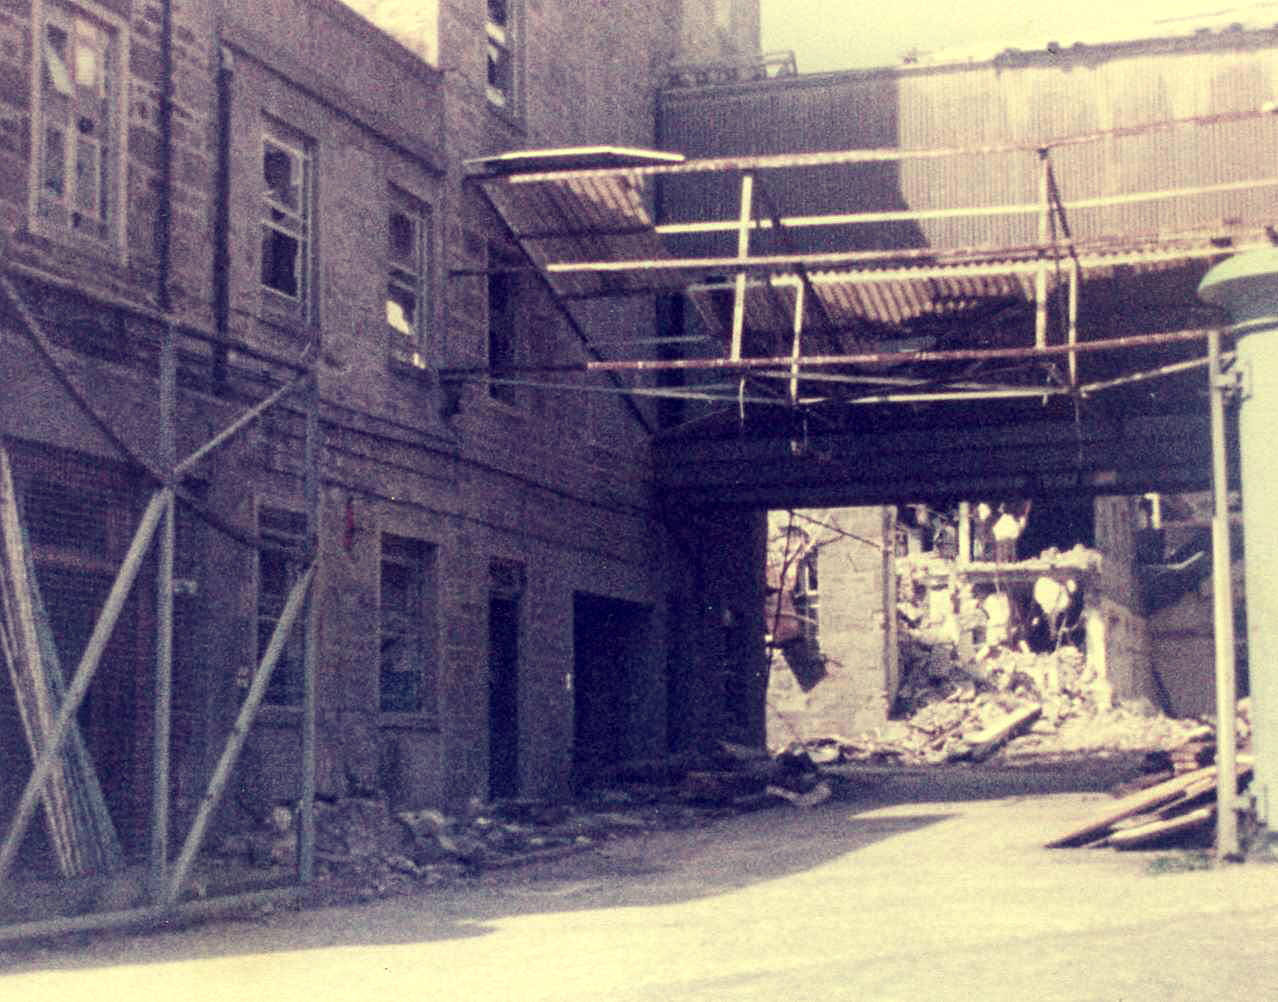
(365,850)
(1017,706)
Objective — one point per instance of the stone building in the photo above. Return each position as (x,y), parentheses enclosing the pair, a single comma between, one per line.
(499,605)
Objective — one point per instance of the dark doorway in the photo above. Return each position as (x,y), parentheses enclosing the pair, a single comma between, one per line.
(610,640)
(503,695)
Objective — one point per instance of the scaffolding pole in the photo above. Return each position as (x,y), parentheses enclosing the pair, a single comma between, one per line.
(1223,609)
(161,743)
(239,734)
(310,667)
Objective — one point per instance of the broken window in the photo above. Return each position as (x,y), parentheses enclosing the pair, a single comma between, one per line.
(501,30)
(407,680)
(807,599)
(77,131)
(502,345)
(280,562)
(287,217)
(408,270)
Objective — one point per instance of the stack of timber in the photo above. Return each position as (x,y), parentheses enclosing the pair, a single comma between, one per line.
(81,833)
(1172,810)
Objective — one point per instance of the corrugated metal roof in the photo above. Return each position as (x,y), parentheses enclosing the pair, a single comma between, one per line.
(929,187)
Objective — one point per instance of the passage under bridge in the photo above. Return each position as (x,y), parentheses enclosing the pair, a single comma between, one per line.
(1066,338)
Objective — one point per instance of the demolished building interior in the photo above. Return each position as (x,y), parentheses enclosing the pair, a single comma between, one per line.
(1011,328)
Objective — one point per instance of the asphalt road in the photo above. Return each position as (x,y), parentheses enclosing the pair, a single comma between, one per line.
(877,901)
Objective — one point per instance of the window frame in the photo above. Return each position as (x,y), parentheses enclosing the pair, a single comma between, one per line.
(417,283)
(501,323)
(114,73)
(503,48)
(419,557)
(301,307)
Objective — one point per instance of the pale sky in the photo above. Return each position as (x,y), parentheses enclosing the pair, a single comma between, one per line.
(854,34)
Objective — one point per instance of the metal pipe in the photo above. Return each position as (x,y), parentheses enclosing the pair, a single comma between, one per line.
(239,734)
(796,348)
(967,212)
(310,667)
(743,252)
(896,357)
(1044,227)
(238,425)
(144,916)
(1007,261)
(1223,609)
(161,738)
(102,628)
(1071,333)
(822,159)
(1140,377)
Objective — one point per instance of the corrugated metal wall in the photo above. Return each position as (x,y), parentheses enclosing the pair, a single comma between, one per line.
(1045,98)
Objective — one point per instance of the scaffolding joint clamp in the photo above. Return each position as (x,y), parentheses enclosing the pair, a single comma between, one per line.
(1234,383)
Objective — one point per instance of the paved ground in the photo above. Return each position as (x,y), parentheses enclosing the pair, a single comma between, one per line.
(901,896)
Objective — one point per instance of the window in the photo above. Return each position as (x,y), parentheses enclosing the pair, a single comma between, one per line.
(407,278)
(288,198)
(77,129)
(806,599)
(407,682)
(502,291)
(501,53)
(279,565)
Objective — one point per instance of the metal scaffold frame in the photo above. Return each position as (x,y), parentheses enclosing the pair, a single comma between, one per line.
(168,873)
(584,220)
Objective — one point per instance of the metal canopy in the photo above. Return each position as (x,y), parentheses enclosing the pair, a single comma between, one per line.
(772,287)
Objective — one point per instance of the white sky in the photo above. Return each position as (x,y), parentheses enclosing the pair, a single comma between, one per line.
(852,34)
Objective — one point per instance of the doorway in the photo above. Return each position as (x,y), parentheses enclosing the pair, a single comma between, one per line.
(610,646)
(503,682)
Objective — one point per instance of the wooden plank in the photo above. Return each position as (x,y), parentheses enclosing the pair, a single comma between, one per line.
(1201,790)
(986,741)
(1137,803)
(1135,838)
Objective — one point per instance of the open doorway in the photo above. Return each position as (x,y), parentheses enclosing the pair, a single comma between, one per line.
(505,590)
(610,645)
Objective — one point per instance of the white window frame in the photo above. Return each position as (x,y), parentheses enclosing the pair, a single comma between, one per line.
(502,50)
(293,222)
(109,198)
(409,342)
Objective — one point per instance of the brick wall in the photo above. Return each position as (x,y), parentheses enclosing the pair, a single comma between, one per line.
(856,608)
(557,484)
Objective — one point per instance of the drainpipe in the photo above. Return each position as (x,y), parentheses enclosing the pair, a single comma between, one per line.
(164,222)
(222,220)
(1247,286)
